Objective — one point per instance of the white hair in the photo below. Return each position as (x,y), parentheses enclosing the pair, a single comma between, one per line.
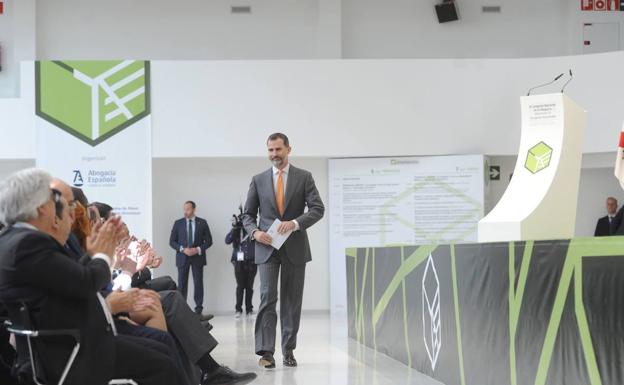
(22,193)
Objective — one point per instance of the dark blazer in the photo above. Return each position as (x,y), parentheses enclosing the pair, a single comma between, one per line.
(617,225)
(60,294)
(247,246)
(179,238)
(603,227)
(301,192)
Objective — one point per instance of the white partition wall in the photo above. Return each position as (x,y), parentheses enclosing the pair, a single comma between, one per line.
(540,202)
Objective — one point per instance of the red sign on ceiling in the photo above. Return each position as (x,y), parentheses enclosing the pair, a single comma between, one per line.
(602,5)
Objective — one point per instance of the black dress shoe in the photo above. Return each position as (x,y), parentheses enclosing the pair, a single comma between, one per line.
(289,360)
(225,375)
(267,361)
(206,317)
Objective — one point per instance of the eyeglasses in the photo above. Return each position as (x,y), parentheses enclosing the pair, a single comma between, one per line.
(56,195)
(58,205)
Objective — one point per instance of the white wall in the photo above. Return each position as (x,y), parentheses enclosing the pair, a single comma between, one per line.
(217,186)
(295,29)
(304,29)
(372,107)
(409,29)
(187,29)
(17,43)
(354,108)
(9,166)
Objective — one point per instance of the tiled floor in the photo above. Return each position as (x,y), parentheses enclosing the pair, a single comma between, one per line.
(324,353)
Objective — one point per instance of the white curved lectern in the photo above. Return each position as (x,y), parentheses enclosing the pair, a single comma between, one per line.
(540,201)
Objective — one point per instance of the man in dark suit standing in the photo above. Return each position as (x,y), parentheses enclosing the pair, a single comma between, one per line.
(605,225)
(282,192)
(190,238)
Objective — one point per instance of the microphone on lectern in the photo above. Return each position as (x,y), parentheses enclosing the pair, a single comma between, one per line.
(545,84)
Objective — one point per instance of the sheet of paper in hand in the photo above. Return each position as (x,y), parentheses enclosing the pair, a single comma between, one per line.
(277,238)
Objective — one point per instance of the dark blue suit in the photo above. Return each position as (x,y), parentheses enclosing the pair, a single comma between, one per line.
(180,239)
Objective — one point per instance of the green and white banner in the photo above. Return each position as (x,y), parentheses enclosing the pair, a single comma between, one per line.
(505,313)
(94,131)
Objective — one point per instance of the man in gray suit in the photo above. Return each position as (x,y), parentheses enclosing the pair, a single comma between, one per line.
(282,192)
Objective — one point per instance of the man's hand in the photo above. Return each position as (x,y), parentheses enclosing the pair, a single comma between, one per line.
(123,301)
(262,237)
(127,264)
(285,227)
(190,251)
(106,239)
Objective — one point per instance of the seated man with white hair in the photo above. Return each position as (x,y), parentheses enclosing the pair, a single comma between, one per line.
(63,294)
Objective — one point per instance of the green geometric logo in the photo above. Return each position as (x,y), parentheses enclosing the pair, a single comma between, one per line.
(92,100)
(538,157)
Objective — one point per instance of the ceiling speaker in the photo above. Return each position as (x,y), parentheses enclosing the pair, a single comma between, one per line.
(446,11)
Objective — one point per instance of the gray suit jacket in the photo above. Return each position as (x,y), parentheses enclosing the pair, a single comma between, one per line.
(300,192)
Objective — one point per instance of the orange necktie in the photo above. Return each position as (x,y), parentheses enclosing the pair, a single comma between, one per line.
(279,193)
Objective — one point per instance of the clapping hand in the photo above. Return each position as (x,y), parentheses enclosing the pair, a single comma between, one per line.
(105,237)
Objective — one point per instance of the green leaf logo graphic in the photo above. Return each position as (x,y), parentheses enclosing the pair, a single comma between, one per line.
(92,100)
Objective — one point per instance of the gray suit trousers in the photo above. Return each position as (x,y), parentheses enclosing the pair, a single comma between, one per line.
(291,288)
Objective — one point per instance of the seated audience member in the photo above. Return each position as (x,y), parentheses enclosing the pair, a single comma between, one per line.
(105,211)
(604,227)
(166,311)
(63,294)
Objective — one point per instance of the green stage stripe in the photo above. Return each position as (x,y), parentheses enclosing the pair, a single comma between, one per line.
(581,318)
(361,312)
(512,300)
(406,267)
(373,297)
(460,353)
(515,299)
(405,323)
(578,249)
(356,308)
(555,319)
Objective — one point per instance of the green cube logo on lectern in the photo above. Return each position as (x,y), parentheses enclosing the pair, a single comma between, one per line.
(538,157)
(92,100)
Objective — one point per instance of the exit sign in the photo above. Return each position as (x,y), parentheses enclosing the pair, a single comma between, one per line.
(602,5)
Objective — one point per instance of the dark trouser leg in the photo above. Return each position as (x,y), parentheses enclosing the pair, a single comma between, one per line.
(266,321)
(198,282)
(291,289)
(183,274)
(250,270)
(185,327)
(125,328)
(144,361)
(240,284)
